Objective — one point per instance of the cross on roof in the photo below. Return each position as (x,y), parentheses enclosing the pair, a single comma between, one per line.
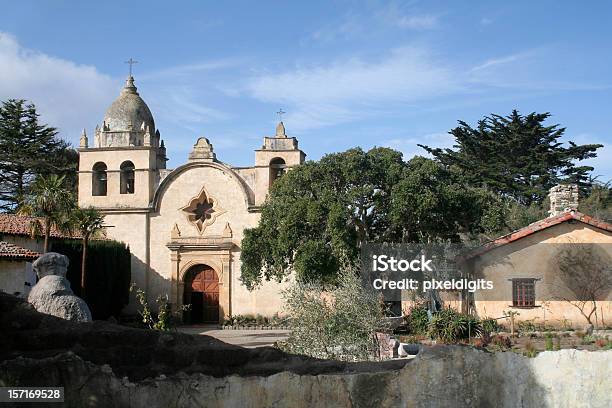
(280,114)
(131,62)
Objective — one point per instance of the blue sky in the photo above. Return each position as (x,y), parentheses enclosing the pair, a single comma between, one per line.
(347,73)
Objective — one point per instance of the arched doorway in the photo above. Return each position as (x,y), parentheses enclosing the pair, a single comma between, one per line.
(202,293)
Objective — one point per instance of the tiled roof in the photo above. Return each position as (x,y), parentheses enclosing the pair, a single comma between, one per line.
(12,251)
(14,224)
(539,226)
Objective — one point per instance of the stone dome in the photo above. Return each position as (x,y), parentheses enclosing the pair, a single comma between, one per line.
(128,111)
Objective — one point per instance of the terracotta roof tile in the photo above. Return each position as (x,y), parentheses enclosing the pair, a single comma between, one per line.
(12,251)
(14,224)
(539,226)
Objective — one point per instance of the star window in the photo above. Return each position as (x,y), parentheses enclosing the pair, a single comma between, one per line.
(202,211)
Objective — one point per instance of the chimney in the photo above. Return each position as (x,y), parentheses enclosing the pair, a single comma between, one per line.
(563,198)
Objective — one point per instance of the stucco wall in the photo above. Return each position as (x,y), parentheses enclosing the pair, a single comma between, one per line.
(12,276)
(131,228)
(145,163)
(534,257)
(222,186)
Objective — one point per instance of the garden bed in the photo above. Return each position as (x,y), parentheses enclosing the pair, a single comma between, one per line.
(528,344)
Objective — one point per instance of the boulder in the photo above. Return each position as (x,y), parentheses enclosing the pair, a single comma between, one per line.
(408,349)
(52,294)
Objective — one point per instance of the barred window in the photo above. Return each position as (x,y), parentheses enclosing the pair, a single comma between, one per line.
(523,292)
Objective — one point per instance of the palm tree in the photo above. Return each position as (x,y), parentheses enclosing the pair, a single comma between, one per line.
(50,203)
(89,222)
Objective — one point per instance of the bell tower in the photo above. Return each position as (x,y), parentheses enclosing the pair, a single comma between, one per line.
(121,169)
(278,154)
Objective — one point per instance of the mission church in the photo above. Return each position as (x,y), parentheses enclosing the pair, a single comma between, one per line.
(184,226)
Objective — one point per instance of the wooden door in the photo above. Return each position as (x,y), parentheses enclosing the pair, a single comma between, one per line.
(203,295)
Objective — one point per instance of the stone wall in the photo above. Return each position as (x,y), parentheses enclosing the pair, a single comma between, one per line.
(104,365)
(446,376)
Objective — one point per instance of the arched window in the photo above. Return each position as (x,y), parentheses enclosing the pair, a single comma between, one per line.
(99,179)
(127,177)
(277,169)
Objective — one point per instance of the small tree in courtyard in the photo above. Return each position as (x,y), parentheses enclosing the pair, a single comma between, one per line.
(51,203)
(89,222)
(338,324)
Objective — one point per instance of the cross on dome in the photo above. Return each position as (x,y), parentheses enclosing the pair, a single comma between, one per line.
(131,62)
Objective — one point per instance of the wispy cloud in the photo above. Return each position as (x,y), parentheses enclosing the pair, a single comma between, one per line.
(181,107)
(502,60)
(67,95)
(356,88)
(349,89)
(418,22)
(408,145)
(184,70)
(348,26)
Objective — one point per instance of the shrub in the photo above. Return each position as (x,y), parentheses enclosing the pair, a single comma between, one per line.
(410,339)
(483,341)
(418,320)
(549,342)
(108,274)
(490,326)
(341,325)
(253,320)
(502,342)
(587,339)
(526,326)
(557,343)
(165,319)
(450,326)
(530,350)
(566,324)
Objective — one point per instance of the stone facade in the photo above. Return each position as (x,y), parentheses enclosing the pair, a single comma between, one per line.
(176,220)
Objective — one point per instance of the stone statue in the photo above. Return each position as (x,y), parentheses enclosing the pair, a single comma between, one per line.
(52,294)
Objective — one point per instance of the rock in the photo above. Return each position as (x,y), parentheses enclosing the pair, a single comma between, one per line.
(52,294)
(588,329)
(408,349)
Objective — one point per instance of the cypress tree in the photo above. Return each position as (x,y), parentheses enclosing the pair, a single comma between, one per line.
(29,148)
(516,156)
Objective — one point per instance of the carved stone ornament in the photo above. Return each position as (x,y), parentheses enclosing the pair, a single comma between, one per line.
(202,210)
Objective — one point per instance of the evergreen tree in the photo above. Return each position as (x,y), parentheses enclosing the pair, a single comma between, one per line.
(516,156)
(319,214)
(29,149)
(597,202)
